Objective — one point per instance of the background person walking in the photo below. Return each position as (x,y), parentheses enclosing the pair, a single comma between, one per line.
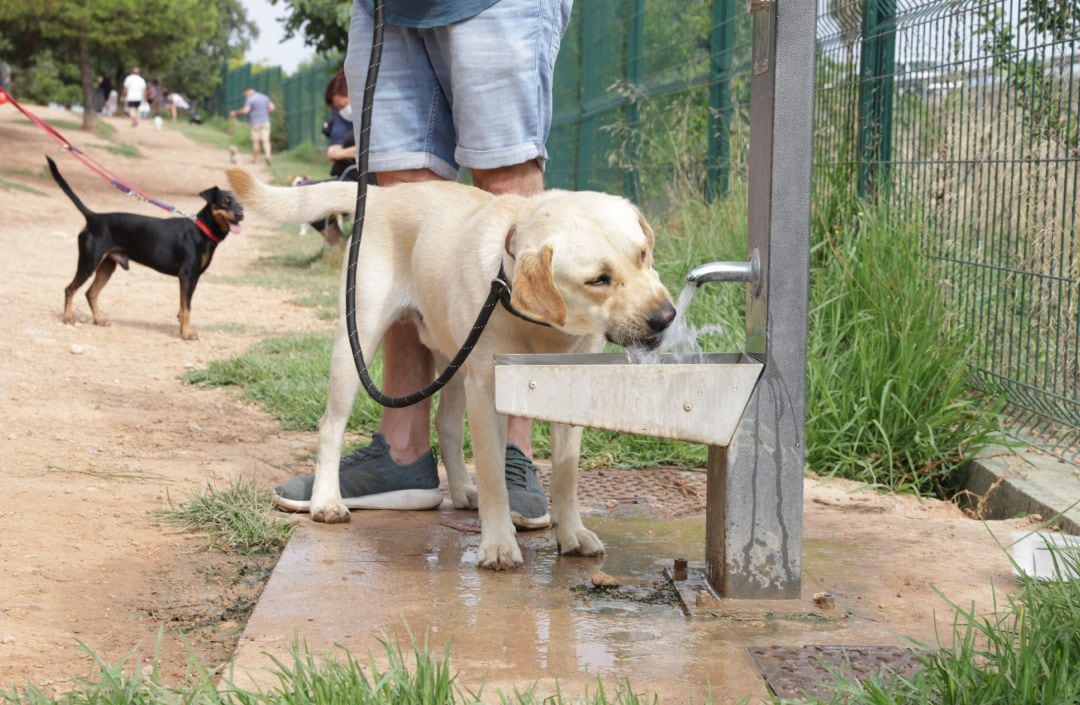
(134,93)
(257,106)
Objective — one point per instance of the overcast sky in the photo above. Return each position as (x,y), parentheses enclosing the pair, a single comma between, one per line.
(269,49)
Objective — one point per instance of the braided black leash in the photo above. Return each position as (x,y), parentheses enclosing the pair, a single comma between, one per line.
(500,288)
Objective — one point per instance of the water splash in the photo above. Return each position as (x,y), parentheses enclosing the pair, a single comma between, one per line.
(680,339)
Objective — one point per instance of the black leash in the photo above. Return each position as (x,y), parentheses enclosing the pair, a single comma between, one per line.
(500,286)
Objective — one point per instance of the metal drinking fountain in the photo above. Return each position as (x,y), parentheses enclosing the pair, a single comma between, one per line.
(748,407)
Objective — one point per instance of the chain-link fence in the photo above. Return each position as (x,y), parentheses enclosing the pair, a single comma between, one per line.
(963,113)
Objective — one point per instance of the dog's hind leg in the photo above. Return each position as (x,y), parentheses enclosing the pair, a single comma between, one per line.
(87,262)
(570,533)
(104,271)
(450,424)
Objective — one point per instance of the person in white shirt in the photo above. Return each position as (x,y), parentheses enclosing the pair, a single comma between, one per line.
(134,93)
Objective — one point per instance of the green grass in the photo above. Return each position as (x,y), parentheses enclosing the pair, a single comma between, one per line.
(1025,653)
(286,377)
(124,150)
(411,675)
(239,518)
(888,400)
(19,186)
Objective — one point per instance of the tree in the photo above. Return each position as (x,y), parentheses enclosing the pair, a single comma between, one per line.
(324,24)
(198,73)
(148,33)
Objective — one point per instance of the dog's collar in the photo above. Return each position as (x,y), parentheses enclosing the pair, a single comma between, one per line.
(504,296)
(206,231)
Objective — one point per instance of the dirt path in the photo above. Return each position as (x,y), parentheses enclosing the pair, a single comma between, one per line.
(98,430)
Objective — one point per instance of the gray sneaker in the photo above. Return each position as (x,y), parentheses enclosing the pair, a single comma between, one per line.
(528,503)
(370,479)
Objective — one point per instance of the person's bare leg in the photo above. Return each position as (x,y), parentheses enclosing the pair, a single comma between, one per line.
(266,147)
(407,366)
(525,179)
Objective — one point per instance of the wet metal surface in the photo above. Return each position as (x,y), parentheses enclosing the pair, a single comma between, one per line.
(809,670)
(350,585)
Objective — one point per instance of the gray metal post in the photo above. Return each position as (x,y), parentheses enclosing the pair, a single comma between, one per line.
(754,525)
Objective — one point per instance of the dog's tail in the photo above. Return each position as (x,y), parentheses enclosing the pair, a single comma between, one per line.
(302,204)
(67,189)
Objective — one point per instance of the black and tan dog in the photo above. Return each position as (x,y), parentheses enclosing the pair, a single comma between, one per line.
(180,247)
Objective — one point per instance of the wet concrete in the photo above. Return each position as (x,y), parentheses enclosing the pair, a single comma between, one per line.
(387,572)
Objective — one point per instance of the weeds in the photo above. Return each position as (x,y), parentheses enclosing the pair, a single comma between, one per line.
(888,401)
(1027,653)
(239,518)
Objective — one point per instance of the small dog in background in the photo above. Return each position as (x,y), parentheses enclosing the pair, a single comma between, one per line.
(180,247)
(158,122)
(234,156)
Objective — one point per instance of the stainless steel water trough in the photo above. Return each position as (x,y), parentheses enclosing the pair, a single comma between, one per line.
(700,402)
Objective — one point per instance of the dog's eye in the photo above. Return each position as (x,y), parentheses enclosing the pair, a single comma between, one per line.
(644,254)
(602,280)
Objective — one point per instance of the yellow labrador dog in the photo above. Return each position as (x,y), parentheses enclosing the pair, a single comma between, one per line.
(581,262)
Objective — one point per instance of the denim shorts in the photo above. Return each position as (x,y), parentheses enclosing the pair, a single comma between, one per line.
(476,93)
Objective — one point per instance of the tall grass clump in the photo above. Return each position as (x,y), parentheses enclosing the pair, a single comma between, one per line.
(1026,653)
(238,518)
(887,399)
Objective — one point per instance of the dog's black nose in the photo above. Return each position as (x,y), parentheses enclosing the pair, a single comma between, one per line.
(661,318)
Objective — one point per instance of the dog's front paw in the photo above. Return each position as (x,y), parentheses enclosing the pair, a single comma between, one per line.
(330,512)
(189,334)
(464,497)
(578,542)
(499,554)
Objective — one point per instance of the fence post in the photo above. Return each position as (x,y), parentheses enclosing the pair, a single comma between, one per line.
(721,50)
(877,69)
(634,63)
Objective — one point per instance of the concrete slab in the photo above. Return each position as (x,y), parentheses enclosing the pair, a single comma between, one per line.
(1011,484)
(388,572)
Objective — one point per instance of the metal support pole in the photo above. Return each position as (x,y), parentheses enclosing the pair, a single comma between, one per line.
(754,525)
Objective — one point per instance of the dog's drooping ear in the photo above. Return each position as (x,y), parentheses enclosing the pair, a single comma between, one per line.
(534,292)
(210,195)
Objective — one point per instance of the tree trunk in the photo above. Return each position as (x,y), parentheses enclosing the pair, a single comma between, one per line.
(89,121)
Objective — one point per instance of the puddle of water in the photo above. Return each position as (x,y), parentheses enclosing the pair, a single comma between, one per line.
(387,574)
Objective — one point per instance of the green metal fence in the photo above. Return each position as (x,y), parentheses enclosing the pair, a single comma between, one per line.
(964,112)
(652,97)
(305,104)
(299,97)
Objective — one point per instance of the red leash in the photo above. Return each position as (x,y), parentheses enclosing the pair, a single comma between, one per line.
(87,160)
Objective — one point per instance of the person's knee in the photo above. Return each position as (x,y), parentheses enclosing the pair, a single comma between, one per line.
(525,179)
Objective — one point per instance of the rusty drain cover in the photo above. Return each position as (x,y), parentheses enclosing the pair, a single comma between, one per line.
(808,670)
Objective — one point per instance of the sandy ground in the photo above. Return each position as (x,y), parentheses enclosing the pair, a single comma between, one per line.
(99,432)
(98,429)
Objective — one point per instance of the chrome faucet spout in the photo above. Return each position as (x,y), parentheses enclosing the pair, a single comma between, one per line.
(748,271)
(719,272)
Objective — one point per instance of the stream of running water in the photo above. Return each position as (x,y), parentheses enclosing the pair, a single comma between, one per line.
(680,338)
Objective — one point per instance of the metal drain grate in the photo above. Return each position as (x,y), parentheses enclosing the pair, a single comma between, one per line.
(808,670)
